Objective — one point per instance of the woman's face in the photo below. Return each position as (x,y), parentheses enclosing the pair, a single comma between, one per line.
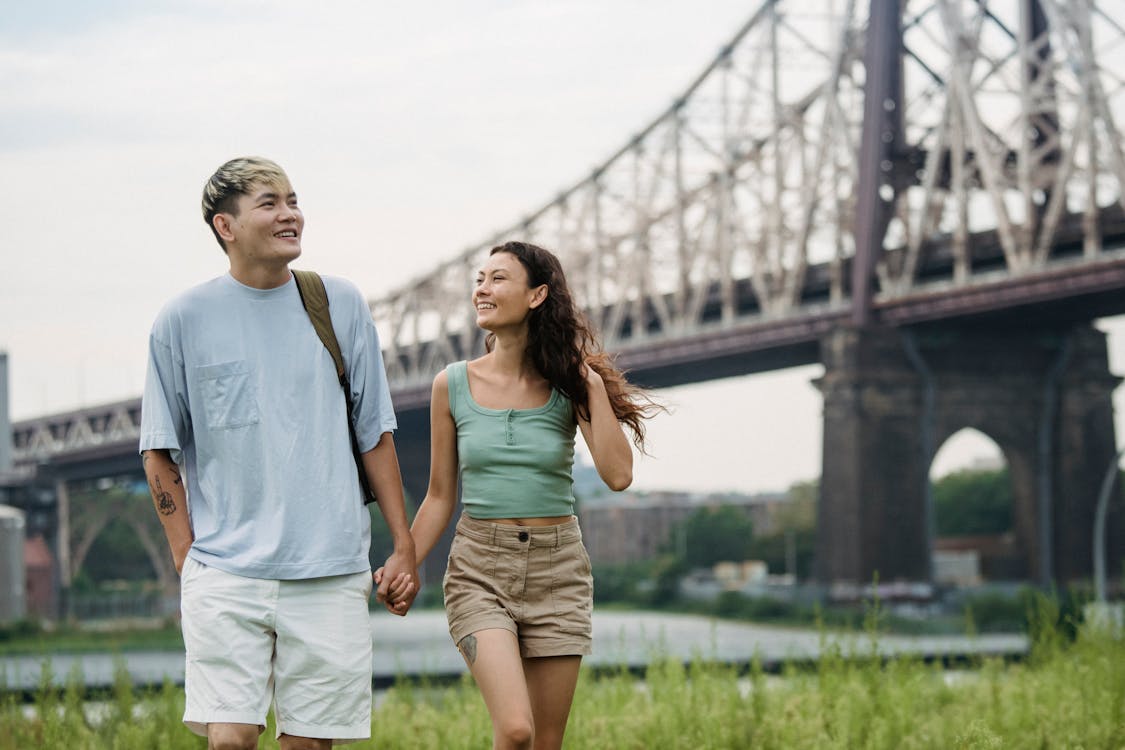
(502,296)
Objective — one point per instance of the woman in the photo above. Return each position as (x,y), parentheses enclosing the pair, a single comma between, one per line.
(518,589)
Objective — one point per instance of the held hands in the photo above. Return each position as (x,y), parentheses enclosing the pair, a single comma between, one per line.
(397,583)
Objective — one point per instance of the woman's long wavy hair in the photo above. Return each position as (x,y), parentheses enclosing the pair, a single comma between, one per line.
(560,340)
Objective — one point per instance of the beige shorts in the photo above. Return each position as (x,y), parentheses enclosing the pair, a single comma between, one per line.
(304,646)
(534,581)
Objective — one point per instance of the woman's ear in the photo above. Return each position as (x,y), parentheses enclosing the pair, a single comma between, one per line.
(539,296)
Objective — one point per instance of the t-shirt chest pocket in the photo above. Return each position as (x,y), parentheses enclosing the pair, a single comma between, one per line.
(230,396)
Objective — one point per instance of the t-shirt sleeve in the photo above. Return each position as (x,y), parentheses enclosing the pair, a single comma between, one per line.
(372,410)
(165,423)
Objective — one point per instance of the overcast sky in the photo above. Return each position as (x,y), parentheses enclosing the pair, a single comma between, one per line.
(411,131)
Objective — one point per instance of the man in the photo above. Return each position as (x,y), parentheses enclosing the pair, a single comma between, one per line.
(266,523)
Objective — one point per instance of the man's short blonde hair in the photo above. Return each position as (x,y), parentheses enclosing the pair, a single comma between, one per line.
(237,177)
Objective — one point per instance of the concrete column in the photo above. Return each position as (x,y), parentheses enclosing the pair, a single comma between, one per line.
(1011,382)
(62,500)
(871,518)
(5,417)
(1086,443)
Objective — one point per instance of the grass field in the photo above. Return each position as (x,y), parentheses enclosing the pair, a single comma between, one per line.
(1066,694)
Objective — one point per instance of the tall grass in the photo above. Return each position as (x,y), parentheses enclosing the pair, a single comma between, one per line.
(1066,694)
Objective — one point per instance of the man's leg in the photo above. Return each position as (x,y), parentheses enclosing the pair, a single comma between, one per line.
(232,736)
(288,742)
(322,667)
(229,645)
(550,683)
(493,656)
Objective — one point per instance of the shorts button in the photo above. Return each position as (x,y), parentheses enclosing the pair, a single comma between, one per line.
(523,536)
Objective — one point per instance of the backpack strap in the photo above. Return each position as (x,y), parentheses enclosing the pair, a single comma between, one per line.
(315,299)
(310,287)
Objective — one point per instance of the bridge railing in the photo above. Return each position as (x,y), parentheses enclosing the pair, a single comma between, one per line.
(102,427)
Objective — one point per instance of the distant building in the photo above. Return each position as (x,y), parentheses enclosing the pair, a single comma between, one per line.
(39,571)
(12,601)
(634,526)
(990,557)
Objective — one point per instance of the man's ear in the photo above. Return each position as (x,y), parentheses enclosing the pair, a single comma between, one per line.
(222,223)
(540,296)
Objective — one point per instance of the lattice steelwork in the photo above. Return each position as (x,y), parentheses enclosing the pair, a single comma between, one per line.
(103,428)
(1015,107)
(718,212)
(736,209)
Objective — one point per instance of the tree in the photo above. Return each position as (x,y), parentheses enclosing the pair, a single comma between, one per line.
(973,502)
(799,511)
(714,534)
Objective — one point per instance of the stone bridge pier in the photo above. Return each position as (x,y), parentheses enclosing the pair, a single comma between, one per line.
(893,396)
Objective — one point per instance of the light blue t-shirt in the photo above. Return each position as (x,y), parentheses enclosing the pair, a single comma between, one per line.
(243,393)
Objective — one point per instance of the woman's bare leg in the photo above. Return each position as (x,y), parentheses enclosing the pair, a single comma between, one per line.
(493,656)
(550,685)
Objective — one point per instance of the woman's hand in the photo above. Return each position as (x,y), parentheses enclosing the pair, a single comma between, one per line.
(400,592)
(608,445)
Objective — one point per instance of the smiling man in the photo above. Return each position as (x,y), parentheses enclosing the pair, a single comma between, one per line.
(246,446)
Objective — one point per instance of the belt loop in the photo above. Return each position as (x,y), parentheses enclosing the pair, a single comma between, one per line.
(558,537)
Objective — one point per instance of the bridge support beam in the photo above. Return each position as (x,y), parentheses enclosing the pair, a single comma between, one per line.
(891,398)
(871,516)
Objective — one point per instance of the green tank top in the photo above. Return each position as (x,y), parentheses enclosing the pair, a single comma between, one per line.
(514,463)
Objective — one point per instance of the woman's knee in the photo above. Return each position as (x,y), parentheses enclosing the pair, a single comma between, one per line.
(514,732)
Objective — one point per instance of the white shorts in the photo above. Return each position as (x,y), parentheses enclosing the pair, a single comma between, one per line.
(303,645)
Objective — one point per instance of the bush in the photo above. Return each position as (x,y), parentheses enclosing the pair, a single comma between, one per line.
(18,630)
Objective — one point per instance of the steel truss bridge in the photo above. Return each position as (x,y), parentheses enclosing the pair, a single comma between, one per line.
(839,164)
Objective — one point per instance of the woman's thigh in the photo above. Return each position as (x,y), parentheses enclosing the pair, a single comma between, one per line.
(493,656)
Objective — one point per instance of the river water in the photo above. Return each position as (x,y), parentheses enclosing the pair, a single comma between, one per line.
(419,644)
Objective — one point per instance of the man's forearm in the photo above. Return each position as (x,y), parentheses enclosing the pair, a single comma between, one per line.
(170,499)
(398,579)
(385,478)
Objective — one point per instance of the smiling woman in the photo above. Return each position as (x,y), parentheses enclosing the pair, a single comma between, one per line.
(518,587)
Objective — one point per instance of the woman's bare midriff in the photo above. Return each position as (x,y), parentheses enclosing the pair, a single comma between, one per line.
(548,521)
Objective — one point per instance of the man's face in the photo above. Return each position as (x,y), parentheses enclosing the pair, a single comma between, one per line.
(267,229)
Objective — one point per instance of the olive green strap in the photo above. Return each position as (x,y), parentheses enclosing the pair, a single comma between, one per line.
(315,299)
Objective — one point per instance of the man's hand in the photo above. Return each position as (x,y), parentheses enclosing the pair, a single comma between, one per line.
(397,582)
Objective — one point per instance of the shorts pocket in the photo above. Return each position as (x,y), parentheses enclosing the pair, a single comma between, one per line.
(367,583)
(573,591)
(230,396)
(189,573)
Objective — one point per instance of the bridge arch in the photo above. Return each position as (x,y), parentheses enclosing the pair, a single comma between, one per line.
(892,396)
(974,534)
(117,507)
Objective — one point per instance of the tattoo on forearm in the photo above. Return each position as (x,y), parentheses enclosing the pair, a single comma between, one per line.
(164,502)
(176,472)
(468,648)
